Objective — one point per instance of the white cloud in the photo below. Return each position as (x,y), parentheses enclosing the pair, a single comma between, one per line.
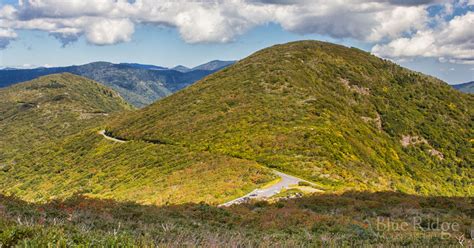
(61,8)
(398,21)
(106,32)
(451,41)
(6,35)
(208,25)
(466,2)
(8,12)
(402,28)
(221,20)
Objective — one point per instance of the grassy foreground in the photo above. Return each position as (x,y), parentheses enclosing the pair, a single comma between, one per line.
(350,219)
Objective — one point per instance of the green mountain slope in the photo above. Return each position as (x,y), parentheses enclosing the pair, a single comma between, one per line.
(88,164)
(49,108)
(50,148)
(337,116)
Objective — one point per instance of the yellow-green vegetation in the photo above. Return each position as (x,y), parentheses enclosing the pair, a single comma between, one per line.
(352,219)
(49,108)
(137,171)
(271,183)
(333,115)
(51,149)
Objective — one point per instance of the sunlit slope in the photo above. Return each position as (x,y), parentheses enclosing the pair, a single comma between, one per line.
(88,164)
(334,115)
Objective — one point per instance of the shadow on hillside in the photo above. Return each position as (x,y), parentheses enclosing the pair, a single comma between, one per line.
(318,219)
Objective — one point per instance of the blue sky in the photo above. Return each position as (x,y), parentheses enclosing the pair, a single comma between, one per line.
(150,44)
(74,34)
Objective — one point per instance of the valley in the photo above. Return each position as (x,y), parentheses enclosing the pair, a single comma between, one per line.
(139,85)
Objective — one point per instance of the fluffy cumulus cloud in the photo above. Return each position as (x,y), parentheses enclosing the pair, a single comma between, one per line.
(395,27)
(109,31)
(450,41)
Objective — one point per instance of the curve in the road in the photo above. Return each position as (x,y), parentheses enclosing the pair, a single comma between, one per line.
(103,133)
(263,193)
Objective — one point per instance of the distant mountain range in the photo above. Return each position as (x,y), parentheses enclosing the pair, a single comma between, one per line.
(465,87)
(142,66)
(209,66)
(138,84)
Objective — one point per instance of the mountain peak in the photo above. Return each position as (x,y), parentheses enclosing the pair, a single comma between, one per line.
(99,63)
(214,65)
(181,68)
(307,109)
